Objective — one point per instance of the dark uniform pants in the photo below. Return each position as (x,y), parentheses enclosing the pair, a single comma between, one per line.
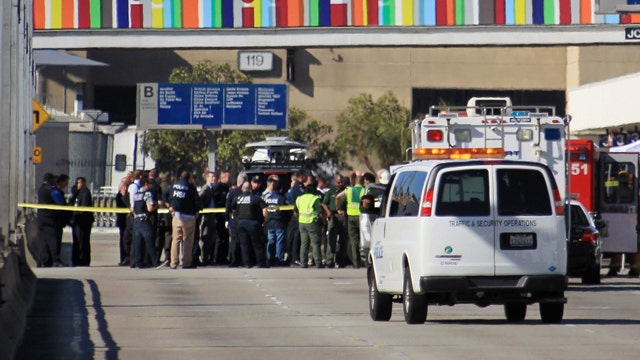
(310,235)
(48,243)
(144,243)
(81,245)
(336,250)
(221,246)
(353,226)
(293,240)
(250,237)
(127,241)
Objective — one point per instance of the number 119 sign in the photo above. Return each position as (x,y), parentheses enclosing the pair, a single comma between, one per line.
(255,61)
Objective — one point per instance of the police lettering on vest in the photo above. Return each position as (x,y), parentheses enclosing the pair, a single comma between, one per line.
(184,198)
(248,207)
(179,191)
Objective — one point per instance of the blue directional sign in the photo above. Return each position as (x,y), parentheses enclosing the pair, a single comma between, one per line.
(213,106)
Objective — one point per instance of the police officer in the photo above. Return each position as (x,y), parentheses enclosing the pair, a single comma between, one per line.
(221,245)
(231,223)
(336,249)
(276,223)
(45,250)
(185,205)
(353,195)
(143,206)
(81,221)
(293,230)
(62,217)
(208,232)
(310,217)
(250,210)
(156,190)
(122,201)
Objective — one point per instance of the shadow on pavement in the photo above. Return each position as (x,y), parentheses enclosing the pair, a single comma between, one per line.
(58,324)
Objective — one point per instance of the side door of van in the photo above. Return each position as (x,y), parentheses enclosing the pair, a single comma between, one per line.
(530,231)
(402,227)
(460,231)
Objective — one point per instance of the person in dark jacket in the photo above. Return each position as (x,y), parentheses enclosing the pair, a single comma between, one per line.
(46,223)
(235,254)
(122,221)
(185,204)
(143,207)
(221,245)
(81,224)
(276,223)
(250,210)
(208,221)
(62,217)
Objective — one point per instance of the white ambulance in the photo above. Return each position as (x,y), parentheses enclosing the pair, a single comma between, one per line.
(463,224)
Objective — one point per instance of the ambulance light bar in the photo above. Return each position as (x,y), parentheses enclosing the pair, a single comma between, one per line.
(520,113)
(458,153)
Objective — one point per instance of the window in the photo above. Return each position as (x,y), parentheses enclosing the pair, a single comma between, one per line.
(578,217)
(619,182)
(522,192)
(406,194)
(463,193)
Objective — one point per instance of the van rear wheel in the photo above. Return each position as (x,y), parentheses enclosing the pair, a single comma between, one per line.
(380,304)
(551,313)
(414,305)
(515,311)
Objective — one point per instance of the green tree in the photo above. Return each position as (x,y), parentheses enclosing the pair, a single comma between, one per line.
(375,132)
(175,151)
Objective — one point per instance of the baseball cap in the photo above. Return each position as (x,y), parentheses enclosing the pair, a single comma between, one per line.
(255,178)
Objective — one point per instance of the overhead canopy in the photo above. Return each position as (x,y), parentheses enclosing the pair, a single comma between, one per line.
(605,104)
(60,58)
(633,147)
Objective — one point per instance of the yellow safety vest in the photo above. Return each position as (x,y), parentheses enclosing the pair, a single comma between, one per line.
(353,200)
(305,204)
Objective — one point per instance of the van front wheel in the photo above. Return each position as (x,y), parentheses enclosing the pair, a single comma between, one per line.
(380,304)
(414,305)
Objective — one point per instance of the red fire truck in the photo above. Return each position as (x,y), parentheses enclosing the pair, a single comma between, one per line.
(606,184)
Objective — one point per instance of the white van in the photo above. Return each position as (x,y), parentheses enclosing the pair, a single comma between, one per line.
(469,231)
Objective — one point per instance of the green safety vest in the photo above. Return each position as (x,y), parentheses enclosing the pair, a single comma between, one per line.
(353,200)
(305,204)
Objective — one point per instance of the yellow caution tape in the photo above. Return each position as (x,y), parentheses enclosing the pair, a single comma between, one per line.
(119,210)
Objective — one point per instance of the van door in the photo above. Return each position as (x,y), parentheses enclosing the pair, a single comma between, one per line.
(529,237)
(460,233)
(403,226)
(619,201)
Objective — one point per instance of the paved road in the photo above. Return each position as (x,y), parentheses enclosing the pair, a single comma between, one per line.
(111,312)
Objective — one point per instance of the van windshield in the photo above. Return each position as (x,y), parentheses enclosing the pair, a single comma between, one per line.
(522,192)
